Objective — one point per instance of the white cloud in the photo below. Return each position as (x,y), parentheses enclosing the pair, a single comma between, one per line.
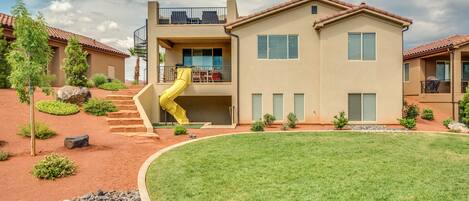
(122,44)
(84,19)
(108,26)
(60,6)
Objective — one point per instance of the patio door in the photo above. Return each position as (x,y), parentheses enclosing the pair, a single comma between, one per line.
(207,58)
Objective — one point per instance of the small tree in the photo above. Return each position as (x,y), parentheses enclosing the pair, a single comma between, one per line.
(75,64)
(29,56)
(5,68)
(133,52)
(464,107)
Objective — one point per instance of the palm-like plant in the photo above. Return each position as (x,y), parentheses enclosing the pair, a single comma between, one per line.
(133,52)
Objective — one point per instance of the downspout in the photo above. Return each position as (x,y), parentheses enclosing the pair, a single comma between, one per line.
(237,71)
(452,82)
(402,74)
(146,62)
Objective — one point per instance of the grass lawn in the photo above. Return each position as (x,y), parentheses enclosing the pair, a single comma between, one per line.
(315,166)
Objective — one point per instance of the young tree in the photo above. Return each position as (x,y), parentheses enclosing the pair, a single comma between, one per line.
(5,68)
(75,64)
(133,52)
(29,56)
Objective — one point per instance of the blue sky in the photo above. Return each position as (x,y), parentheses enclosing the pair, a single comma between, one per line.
(113,21)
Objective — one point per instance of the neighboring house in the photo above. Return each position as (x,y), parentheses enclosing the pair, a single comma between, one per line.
(101,58)
(437,73)
(314,58)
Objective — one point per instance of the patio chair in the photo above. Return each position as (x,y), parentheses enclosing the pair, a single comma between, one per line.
(210,17)
(432,86)
(179,17)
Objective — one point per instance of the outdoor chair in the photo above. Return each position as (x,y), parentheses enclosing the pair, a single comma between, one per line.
(179,17)
(210,17)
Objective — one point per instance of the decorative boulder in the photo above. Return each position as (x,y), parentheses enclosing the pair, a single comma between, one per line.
(457,127)
(75,95)
(77,142)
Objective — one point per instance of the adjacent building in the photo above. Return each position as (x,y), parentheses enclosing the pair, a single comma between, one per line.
(101,58)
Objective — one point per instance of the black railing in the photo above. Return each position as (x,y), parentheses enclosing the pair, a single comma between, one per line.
(208,15)
(435,86)
(200,74)
(140,42)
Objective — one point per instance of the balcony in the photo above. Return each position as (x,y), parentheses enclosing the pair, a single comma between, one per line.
(200,74)
(435,86)
(199,15)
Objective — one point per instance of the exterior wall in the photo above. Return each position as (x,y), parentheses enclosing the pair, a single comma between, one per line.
(339,76)
(412,87)
(282,76)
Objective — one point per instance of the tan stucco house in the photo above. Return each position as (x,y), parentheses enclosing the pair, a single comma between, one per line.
(314,58)
(437,73)
(101,58)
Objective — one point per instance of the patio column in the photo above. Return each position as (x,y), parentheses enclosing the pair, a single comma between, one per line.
(457,65)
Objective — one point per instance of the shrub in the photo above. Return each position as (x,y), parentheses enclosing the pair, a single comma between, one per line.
(90,84)
(411,111)
(56,107)
(5,68)
(54,166)
(268,120)
(180,130)
(408,123)
(115,85)
(340,121)
(99,79)
(99,107)
(257,126)
(447,122)
(75,64)
(427,114)
(4,155)
(291,120)
(284,127)
(42,131)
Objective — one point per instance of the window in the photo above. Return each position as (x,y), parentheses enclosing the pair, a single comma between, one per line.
(299,106)
(442,70)
(465,70)
(277,47)
(203,57)
(278,106)
(362,46)
(406,72)
(314,10)
(362,107)
(256,107)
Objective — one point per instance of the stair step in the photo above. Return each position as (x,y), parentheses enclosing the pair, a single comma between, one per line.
(124,114)
(126,107)
(123,102)
(119,97)
(124,121)
(128,129)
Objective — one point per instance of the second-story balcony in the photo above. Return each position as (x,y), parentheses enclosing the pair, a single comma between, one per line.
(435,86)
(200,74)
(194,15)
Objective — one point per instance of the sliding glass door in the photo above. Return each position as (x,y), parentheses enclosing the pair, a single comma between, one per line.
(207,58)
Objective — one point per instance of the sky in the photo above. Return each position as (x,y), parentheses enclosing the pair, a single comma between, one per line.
(114,21)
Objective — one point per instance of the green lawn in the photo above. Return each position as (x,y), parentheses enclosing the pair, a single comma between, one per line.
(315,166)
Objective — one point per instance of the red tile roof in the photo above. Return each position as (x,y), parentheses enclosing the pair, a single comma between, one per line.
(436,46)
(7,21)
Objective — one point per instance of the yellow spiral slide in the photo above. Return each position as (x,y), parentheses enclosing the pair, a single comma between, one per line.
(167,98)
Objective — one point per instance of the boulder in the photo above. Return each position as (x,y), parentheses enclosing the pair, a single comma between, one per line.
(75,95)
(457,127)
(77,142)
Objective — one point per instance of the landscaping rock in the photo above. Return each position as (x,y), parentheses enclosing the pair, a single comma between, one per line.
(457,127)
(110,196)
(75,95)
(77,142)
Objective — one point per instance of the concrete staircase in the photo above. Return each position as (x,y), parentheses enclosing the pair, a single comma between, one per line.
(127,120)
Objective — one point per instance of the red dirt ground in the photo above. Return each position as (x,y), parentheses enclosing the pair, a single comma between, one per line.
(110,163)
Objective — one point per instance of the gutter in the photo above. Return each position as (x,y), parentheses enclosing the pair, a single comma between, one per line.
(402,74)
(237,71)
(451,51)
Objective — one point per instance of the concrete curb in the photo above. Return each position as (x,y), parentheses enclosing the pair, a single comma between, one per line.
(142,186)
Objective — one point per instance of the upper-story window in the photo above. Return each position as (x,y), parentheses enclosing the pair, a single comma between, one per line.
(314,10)
(406,72)
(362,46)
(277,47)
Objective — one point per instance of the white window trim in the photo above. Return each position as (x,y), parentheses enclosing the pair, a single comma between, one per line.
(406,81)
(362,108)
(449,70)
(288,47)
(304,106)
(283,107)
(361,47)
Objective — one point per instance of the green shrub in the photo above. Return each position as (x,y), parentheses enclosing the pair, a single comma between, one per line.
(292,120)
(180,130)
(411,111)
(5,68)
(56,107)
(257,126)
(54,166)
(90,84)
(268,119)
(75,64)
(99,107)
(115,85)
(447,122)
(135,82)
(427,114)
(340,121)
(4,155)
(284,127)
(408,123)
(42,131)
(99,79)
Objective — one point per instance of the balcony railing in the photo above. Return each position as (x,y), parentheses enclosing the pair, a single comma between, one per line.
(200,74)
(435,86)
(208,15)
